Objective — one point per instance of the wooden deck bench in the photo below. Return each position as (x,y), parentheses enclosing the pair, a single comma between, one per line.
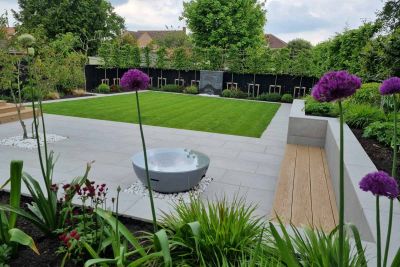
(304,194)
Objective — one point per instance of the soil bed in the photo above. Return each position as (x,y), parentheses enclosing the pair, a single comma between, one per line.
(380,154)
(47,245)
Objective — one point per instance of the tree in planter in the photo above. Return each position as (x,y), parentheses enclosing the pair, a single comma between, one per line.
(146,57)
(301,64)
(180,60)
(105,52)
(297,46)
(257,61)
(161,60)
(280,62)
(233,61)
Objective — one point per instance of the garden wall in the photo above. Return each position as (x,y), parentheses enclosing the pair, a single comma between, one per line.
(359,205)
(94,75)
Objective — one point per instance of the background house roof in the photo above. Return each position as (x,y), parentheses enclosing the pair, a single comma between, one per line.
(274,42)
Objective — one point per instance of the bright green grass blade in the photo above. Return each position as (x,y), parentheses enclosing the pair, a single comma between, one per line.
(359,246)
(17,236)
(112,221)
(100,262)
(162,244)
(396,260)
(284,248)
(15,193)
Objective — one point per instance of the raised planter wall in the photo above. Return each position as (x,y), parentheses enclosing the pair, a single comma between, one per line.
(359,205)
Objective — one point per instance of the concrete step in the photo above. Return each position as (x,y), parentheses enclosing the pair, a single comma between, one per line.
(13,116)
(2,102)
(8,108)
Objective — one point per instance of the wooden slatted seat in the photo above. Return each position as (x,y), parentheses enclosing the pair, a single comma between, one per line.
(304,194)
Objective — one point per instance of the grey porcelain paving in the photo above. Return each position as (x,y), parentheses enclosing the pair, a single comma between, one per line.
(240,166)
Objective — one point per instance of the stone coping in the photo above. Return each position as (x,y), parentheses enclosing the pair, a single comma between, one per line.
(359,205)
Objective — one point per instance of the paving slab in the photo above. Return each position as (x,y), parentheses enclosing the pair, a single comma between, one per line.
(240,166)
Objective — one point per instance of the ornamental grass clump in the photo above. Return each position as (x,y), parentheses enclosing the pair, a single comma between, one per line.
(380,184)
(135,80)
(336,86)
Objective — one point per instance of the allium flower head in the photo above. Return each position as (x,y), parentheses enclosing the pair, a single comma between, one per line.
(134,79)
(380,184)
(390,86)
(335,85)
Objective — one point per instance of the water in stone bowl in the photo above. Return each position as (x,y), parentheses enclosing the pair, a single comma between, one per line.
(171,170)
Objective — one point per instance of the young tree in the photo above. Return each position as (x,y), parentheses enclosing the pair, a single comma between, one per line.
(84,18)
(222,23)
(280,62)
(297,46)
(180,60)
(389,16)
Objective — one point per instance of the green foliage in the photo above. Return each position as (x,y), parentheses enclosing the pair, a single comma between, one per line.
(225,23)
(392,50)
(191,90)
(367,94)
(161,61)
(103,89)
(234,93)
(224,232)
(180,59)
(298,45)
(173,40)
(281,60)
(361,115)
(172,88)
(89,20)
(115,88)
(5,255)
(316,108)
(316,248)
(389,16)
(287,98)
(381,131)
(374,62)
(9,235)
(271,97)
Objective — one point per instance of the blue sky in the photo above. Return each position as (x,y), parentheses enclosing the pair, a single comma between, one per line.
(314,20)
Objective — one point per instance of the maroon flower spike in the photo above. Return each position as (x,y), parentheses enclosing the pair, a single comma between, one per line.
(390,86)
(335,85)
(380,184)
(135,80)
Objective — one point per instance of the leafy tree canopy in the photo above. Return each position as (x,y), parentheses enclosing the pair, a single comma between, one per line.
(83,18)
(389,16)
(298,45)
(225,23)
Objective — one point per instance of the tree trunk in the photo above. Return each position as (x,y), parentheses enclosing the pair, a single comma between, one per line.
(18,106)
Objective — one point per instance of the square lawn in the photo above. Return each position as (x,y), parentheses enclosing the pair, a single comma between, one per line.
(217,115)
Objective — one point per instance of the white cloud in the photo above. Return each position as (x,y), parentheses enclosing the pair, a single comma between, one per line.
(314,20)
(317,20)
(151,15)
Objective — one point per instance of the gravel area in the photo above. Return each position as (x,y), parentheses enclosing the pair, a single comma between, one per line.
(140,189)
(30,143)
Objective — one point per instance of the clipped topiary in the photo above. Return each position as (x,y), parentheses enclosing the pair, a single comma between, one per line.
(272,97)
(103,89)
(287,98)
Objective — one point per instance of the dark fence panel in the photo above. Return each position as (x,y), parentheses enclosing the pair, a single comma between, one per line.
(95,74)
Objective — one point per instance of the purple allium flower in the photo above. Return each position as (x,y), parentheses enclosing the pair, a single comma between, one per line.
(134,79)
(335,85)
(380,184)
(390,86)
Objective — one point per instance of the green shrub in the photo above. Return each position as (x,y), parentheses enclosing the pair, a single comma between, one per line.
(234,93)
(287,98)
(228,231)
(381,131)
(191,90)
(172,88)
(367,94)
(362,115)
(103,89)
(115,88)
(272,97)
(313,107)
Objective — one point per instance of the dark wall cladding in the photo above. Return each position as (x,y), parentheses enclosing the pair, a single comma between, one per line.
(94,75)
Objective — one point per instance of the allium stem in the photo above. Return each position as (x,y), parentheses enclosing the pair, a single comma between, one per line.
(394,175)
(153,211)
(378,234)
(341,189)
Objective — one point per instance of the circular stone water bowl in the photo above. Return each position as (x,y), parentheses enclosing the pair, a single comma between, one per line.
(171,170)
